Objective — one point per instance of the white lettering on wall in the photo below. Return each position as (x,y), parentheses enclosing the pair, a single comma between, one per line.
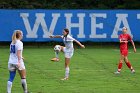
(32,33)
(121,18)
(94,25)
(80,24)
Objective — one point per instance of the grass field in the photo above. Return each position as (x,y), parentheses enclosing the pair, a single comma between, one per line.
(91,71)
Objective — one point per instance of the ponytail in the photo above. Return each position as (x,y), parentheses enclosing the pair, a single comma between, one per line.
(67,31)
(16,35)
(14,38)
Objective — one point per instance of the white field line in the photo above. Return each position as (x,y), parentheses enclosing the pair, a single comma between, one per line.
(80,70)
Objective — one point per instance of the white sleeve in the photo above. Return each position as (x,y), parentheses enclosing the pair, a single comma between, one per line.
(19,46)
(69,38)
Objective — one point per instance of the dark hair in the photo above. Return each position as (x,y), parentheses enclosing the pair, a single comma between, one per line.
(67,31)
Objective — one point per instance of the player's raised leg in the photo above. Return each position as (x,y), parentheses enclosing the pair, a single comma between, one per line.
(57,49)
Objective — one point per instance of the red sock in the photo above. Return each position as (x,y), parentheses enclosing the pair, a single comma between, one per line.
(129,65)
(119,66)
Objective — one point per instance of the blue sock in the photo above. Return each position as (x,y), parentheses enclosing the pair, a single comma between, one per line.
(12,76)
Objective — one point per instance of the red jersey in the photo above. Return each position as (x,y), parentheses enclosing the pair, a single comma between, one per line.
(124,37)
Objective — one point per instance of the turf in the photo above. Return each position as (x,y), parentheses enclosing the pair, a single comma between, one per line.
(91,71)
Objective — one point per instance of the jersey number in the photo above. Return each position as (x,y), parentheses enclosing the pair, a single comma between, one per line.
(12,49)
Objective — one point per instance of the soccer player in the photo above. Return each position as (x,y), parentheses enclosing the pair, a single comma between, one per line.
(68,50)
(16,61)
(124,38)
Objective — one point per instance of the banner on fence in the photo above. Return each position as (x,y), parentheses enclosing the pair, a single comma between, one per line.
(84,25)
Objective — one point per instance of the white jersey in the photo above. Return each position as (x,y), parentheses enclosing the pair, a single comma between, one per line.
(68,41)
(13,59)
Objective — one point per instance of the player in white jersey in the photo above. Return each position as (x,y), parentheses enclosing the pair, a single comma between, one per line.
(68,50)
(16,61)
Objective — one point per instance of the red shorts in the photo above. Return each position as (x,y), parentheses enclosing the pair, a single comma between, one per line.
(124,52)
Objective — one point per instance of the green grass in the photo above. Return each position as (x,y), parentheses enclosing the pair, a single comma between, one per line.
(91,71)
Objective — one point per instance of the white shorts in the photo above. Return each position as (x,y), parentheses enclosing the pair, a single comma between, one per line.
(68,52)
(13,67)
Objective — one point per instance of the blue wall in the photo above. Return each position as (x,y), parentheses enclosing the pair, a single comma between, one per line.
(84,25)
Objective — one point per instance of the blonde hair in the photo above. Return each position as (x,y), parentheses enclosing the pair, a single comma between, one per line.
(16,35)
(124,28)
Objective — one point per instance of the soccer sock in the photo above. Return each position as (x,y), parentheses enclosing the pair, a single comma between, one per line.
(24,85)
(56,54)
(67,70)
(12,76)
(129,66)
(119,66)
(9,86)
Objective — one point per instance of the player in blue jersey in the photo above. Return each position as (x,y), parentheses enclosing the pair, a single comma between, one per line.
(16,61)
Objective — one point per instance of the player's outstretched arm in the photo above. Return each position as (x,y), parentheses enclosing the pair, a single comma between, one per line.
(133,45)
(81,45)
(56,36)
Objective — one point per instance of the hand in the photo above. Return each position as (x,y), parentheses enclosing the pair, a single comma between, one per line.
(23,58)
(51,36)
(82,46)
(125,41)
(18,65)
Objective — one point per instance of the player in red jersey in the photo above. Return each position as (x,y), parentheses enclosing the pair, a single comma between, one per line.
(124,38)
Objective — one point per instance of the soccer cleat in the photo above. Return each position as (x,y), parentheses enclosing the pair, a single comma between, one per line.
(133,71)
(55,59)
(117,72)
(65,78)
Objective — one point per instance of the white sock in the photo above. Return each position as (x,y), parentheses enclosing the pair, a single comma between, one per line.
(56,54)
(67,70)
(24,85)
(9,86)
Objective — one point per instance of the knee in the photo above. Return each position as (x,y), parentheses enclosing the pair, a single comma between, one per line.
(120,61)
(23,77)
(67,68)
(126,60)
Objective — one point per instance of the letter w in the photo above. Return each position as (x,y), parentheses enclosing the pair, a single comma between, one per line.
(32,33)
